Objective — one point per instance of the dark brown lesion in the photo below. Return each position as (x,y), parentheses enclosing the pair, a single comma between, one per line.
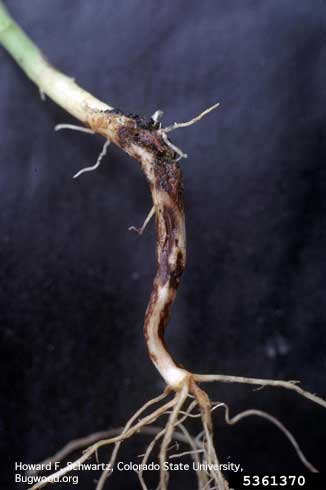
(135,134)
(151,140)
(164,320)
(168,178)
(132,131)
(141,121)
(168,234)
(178,270)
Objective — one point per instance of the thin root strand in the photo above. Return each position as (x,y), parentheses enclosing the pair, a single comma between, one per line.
(98,161)
(290,385)
(192,121)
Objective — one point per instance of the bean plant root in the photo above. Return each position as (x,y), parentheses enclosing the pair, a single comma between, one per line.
(189,401)
(183,398)
(145,140)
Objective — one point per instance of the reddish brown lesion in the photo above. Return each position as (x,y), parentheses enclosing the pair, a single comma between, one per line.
(153,141)
(178,270)
(170,268)
(129,133)
(168,178)
(158,161)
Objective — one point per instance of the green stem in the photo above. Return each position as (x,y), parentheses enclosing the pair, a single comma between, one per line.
(60,88)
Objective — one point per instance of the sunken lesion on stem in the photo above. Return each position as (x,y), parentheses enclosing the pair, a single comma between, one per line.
(143,141)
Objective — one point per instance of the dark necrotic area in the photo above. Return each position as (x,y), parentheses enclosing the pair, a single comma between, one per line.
(74,283)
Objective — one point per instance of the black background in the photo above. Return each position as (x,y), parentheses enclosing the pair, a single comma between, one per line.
(74,282)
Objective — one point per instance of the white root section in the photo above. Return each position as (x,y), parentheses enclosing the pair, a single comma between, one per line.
(289,385)
(210,451)
(173,375)
(196,452)
(277,423)
(106,474)
(141,230)
(173,147)
(196,119)
(163,131)
(200,451)
(84,442)
(157,116)
(180,398)
(149,419)
(82,129)
(73,127)
(42,95)
(158,436)
(98,161)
